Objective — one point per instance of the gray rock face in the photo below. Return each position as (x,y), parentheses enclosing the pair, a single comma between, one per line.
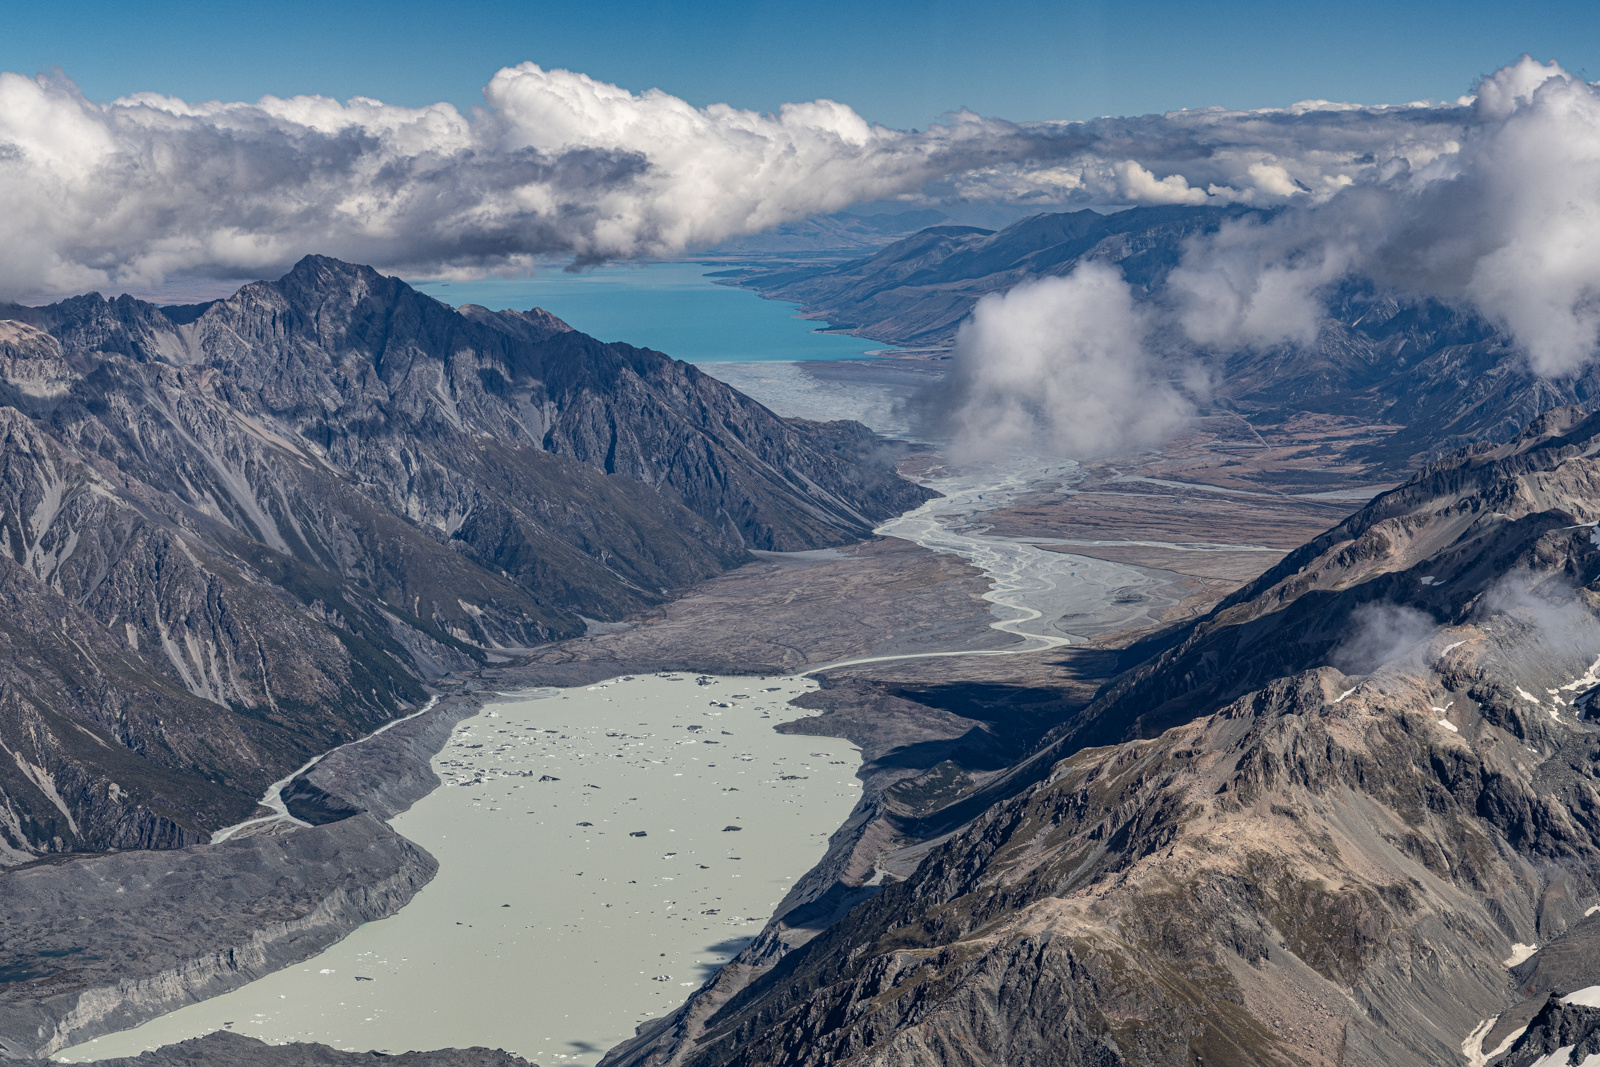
(1241,854)
(98,944)
(222,1049)
(235,535)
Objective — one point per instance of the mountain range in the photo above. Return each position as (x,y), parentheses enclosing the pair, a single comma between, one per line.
(237,534)
(1349,816)
(1437,377)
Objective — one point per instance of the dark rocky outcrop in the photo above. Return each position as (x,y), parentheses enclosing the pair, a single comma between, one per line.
(1569,1028)
(224,1049)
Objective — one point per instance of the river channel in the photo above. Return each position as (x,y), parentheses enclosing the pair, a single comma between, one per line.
(590,873)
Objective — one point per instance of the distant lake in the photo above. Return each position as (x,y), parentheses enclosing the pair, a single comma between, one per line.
(671,307)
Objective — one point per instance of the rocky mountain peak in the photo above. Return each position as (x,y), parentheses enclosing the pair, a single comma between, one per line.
(535,325)
(281,513)
(32,364)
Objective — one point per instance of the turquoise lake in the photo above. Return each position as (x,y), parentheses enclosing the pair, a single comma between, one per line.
(671,307)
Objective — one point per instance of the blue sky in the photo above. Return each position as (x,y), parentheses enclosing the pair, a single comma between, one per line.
(898,63)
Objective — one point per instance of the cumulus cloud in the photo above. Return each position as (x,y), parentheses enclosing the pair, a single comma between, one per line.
(1059,365)
(1507,223)
(1140,185)
(135,190)
(130,192)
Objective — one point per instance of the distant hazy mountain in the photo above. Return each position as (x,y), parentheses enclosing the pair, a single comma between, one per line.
(917,290)
(1442,377)
(1242,855)
(239,533)
(841,232)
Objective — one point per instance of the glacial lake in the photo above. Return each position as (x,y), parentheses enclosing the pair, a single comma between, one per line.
(588,881)
(671,307)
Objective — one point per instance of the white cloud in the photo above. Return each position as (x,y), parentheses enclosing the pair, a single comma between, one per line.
(127,193)
(1506,221)
(1057,365)
(1141,186)
(132,191)
(1492,202)
(1273,180)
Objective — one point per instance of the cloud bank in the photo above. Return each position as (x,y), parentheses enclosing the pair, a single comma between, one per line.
(134,191)
(1507,224)
(1503,219)
(1491,202)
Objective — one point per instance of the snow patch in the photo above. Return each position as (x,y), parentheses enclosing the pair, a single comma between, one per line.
(1589,678)
(1588,997)
(1505,1045)
(1472,1046)
(1519,953)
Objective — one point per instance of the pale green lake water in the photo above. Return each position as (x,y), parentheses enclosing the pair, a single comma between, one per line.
(545,937)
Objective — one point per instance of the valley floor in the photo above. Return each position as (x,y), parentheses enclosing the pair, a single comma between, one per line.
(1181,529)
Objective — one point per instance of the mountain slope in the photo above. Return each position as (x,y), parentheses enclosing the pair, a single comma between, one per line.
(1437,377)
(240,533)
(1241,854)
(917,290)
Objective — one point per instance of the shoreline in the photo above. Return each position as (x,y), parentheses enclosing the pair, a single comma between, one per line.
(479,856)
(387,776)
(329,878)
